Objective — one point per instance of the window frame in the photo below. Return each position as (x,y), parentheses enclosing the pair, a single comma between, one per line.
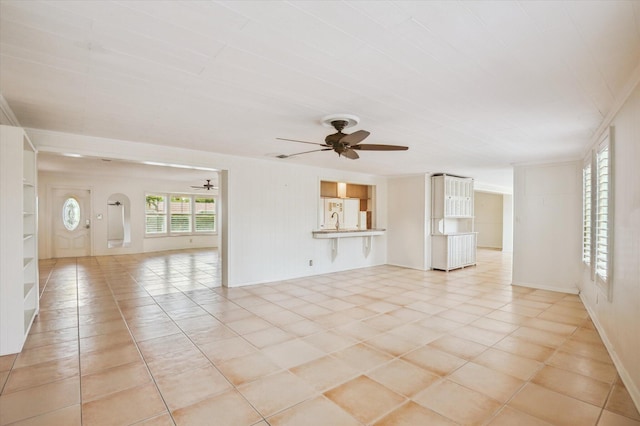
(604,282)
(167,215)
(196,214)
(189,214)
(163,214)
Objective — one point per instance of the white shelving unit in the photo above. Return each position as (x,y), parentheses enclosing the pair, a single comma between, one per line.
(19,293)
(453,240)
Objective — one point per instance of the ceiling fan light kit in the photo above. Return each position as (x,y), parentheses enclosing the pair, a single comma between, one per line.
(344,144)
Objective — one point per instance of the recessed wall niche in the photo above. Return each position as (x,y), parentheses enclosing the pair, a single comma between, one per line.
(118,221)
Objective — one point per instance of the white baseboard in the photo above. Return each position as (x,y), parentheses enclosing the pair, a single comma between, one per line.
(407,266)
(632,388)
(548,288)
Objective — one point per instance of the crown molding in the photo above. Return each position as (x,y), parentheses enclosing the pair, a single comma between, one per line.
(493,189)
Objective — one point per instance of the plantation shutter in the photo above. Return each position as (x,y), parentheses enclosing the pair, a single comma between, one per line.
(586,214)
(602,214)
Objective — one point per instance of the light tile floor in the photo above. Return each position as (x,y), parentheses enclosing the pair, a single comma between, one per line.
(151,339)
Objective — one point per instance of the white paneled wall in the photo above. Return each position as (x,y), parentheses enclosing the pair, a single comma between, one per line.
(273,209)
(488,223)
(409,235)
(618,320)
(547,229)
(507,222)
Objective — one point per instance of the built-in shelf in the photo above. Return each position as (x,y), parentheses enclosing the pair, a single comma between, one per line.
(29,314)
(19,281)
(347,233)
(28,288)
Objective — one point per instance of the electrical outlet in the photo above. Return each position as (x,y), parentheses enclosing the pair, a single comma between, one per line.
(310,262)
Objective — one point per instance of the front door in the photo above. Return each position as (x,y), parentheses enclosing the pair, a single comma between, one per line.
(71,222)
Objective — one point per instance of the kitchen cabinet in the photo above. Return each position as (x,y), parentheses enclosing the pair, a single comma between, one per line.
(363,194)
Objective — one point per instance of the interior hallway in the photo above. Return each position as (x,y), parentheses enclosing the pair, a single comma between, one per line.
(152,338)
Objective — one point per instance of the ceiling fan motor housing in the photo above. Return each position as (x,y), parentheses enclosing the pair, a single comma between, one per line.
(334,139)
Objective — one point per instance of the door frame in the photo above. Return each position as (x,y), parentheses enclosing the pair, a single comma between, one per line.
(50,215)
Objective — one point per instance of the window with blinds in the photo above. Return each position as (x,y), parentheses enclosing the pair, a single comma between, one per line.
(155,214)
(205,214)
(586,214)
(178,214)
(602,214)
(180,210)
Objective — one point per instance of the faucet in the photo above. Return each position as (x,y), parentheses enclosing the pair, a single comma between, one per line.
(337,220)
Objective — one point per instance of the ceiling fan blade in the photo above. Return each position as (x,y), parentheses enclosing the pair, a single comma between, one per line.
(355,137)
(294,140)
(374,147)
(351,154)
(300,153)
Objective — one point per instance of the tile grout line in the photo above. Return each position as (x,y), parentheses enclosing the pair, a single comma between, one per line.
(195,345)
(184,333)
(79,351)
(108,281)
(542,366)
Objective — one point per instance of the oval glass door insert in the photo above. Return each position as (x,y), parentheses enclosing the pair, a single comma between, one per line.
(71,214)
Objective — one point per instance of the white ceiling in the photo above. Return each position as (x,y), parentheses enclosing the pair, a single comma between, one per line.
(471,87)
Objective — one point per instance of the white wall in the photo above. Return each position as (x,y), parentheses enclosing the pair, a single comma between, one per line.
(507,223)
(102,188)
(270,210)
(618,320)
(548,226)
(409,212)
(488,209)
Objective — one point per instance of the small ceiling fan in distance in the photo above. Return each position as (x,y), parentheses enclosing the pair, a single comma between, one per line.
(208,186)
(344,144)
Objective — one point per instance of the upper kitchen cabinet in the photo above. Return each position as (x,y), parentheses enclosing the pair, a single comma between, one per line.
(336,191)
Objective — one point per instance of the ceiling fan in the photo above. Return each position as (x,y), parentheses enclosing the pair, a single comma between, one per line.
(343,143)
(208,186)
